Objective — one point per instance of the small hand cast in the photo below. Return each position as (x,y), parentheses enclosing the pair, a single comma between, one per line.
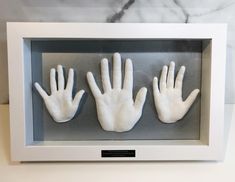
(168,99)
(60,104)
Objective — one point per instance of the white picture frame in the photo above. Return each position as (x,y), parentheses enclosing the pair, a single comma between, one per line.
(208,147)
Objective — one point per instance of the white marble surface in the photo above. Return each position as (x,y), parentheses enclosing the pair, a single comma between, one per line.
(177,11)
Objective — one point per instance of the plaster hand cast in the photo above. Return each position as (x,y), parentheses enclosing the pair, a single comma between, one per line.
(116,109)
(168,100)
(60,104)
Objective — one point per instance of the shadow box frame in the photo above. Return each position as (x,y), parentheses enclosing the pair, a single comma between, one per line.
(208,147)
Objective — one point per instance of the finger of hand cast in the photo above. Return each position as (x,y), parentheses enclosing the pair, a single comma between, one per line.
(70,82)
(105,75)
(179,78)
(128,79)
(117,72)
(170,76)
(40,90)
(60,77)
(140,99)
(191,98)
(53,81)
(155,87)
(93,86)
(163,78)
(78,98)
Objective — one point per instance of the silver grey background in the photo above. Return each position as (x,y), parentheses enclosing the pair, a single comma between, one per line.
(147,64)
(163,11)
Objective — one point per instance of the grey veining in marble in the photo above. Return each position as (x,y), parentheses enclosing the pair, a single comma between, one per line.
(164,11)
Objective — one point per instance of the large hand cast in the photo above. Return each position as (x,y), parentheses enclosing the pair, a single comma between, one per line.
(116,109)
(60,103)
(168,100)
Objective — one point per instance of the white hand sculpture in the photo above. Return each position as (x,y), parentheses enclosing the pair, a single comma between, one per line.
(168,101)
(60,103)
(116,109)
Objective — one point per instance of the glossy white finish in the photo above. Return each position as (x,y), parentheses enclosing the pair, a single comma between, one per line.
(60,104)
(116,109)
(168,95)
(208,147)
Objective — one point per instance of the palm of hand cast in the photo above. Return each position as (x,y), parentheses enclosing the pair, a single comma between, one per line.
(60,103)
(168,100)
(116,109)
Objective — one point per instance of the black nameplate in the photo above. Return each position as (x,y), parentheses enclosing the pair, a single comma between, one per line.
(117,153)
